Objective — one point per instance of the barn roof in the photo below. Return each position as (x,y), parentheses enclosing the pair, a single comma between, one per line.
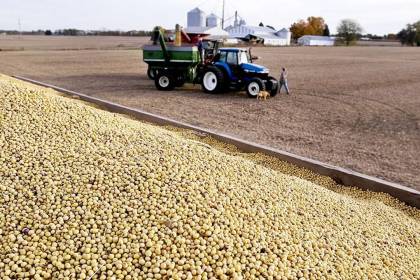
(260,31)
(196,10)
(213,31)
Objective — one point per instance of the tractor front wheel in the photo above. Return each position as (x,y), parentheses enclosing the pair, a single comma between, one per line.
(254,87)
(164,81)
(212,80)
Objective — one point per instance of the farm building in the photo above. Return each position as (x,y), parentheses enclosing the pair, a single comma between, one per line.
(231,41)
(210,26)
(206,26)
(212,20)
(260,34)
(196,18)
(310,40)
(207,31)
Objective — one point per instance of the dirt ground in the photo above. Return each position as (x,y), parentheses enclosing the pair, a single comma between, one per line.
(356,107)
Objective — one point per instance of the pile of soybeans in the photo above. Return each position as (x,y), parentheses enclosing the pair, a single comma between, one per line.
(87,194)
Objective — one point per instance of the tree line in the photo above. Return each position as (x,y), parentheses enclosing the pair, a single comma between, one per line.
(78,32)
(410,35)
(349,31)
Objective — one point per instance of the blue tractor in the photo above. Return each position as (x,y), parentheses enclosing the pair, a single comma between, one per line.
(232,69)
(217,70)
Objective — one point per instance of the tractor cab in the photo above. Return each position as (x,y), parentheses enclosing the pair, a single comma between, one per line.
(234,55)
(238,63)
(211,49)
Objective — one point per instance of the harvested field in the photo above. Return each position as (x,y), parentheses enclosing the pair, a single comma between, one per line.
(87,194)
(379,43)
(30,42)
(352,107)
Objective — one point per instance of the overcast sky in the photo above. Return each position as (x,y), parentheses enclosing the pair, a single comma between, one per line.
(375,16)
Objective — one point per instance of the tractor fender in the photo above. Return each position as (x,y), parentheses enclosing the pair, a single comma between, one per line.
(226,69)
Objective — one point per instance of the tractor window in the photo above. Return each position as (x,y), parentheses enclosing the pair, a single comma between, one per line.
(232,58)
(243,58)
(222,57)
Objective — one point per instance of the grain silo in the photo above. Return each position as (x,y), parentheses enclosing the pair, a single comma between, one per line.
(196,18)
(212,21)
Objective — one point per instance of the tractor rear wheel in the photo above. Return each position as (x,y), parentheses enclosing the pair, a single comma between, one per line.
(254,87)
(164,81)
(213,80)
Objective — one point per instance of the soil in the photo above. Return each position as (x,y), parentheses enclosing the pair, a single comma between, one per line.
(354,107)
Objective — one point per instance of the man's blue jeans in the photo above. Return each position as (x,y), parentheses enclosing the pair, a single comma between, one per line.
(284,83)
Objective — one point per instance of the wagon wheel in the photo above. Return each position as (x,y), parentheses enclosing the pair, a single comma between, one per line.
(152,73)
(164,81)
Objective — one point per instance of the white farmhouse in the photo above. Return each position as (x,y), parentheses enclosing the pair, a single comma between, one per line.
(310,40)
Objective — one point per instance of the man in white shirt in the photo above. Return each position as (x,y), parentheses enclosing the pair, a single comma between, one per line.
(283,80)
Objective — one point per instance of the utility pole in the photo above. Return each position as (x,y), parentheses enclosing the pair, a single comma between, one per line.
(223,15)
(20,28)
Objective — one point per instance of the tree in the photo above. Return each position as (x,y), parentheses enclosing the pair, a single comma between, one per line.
(348,30)
(317,25)
(410,36)
(298,29)
(309,30)
(313,26)
(326,31)
(48,32)
(417,25)
(407,36)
